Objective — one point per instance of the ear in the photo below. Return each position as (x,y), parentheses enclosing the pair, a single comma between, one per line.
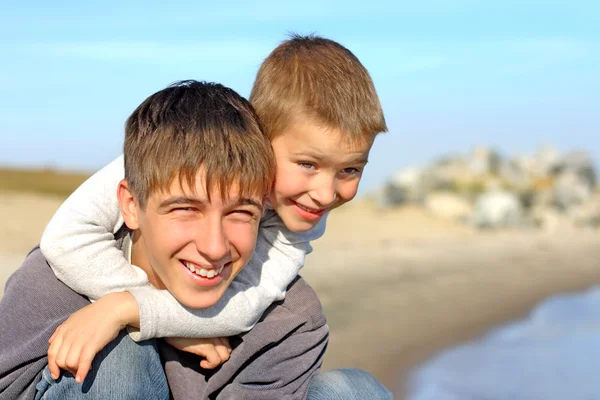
(129,207)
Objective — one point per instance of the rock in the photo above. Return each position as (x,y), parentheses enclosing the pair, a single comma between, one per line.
(406,186)
(550,220)
(483,161)
(498,209)
(445,172)
(554,190)
(570,190)
(579,163)
(511,172)
(448,206)
(587,215)
(540,163)
(391,195)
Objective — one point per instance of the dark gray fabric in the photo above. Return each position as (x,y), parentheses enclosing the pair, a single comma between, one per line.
(275,360)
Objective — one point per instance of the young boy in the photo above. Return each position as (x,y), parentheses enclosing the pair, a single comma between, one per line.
(319,108)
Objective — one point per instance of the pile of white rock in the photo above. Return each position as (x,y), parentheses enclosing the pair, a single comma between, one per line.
(546,189)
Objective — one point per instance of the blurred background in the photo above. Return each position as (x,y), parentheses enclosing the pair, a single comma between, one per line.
(478,208)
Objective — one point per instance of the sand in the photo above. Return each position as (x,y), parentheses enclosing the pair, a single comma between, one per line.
(396,286)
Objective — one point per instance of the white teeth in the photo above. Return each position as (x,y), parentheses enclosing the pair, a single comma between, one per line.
(207,273)
(307,209)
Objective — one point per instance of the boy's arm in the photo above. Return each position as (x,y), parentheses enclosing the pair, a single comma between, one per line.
(79,241)
(80,246)
(278,257)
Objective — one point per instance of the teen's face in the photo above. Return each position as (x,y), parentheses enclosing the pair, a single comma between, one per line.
(317,171)
(191,246)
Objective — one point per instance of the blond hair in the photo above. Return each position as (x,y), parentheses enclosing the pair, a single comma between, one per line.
(316,78)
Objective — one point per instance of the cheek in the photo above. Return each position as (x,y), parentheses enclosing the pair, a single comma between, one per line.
(169,236)
(290,181)
(242,237)
(347,190)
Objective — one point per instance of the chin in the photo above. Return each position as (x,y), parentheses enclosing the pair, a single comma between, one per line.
(200,300)
(300,226)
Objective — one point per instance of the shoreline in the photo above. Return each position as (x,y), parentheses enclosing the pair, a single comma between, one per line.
(400,322)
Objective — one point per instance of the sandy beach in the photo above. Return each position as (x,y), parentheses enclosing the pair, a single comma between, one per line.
(396,286)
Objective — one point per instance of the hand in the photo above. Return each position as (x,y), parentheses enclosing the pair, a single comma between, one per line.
(214,350)
(75,342)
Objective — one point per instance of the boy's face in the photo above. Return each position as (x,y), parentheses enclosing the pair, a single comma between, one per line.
(188,245)
(317,171)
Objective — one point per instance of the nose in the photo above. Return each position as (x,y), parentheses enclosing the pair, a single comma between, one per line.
(325,192)
(212,242)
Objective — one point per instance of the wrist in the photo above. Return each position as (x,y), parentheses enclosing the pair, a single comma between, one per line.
(126,309)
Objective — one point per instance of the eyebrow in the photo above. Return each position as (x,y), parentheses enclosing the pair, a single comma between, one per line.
(181,200)
(200,202)
(248,202)
(317,154)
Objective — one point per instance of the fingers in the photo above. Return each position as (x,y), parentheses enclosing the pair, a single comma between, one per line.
(85,364)
(52,354)
(53,335)
(223,349)
(212,357)
(66,358)
(63,354)
(225,342)
(215,350)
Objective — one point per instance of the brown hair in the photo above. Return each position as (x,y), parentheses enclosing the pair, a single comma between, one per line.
(192,125)
(320,79)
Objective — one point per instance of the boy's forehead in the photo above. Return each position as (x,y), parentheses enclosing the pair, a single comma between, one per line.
(181,190)
(313,131)
(320,140)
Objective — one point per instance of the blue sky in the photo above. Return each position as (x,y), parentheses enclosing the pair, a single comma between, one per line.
(450,74)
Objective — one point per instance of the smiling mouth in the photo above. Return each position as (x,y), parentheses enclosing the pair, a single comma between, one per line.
(208,273)
(310,210)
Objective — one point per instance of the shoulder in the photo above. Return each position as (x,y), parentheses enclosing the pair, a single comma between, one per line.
(34,266)
(35,287)
(301,304)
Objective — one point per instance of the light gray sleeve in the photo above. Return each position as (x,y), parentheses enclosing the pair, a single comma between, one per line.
(80,246)
(79,241)
(278,257)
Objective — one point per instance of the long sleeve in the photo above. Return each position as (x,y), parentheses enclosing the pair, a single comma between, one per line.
(79,241)
(277,259)
(80,246)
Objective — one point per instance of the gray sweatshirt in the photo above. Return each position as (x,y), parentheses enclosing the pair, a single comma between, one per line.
(275,360)
(80,246)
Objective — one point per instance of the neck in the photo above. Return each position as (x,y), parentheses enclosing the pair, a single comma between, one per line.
(140,259)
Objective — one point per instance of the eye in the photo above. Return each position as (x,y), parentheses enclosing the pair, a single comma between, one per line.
(245,215)
(350,171)
(306,165)
(244,212)
(184,209)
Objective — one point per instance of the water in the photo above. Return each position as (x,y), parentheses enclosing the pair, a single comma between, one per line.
(554,354)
